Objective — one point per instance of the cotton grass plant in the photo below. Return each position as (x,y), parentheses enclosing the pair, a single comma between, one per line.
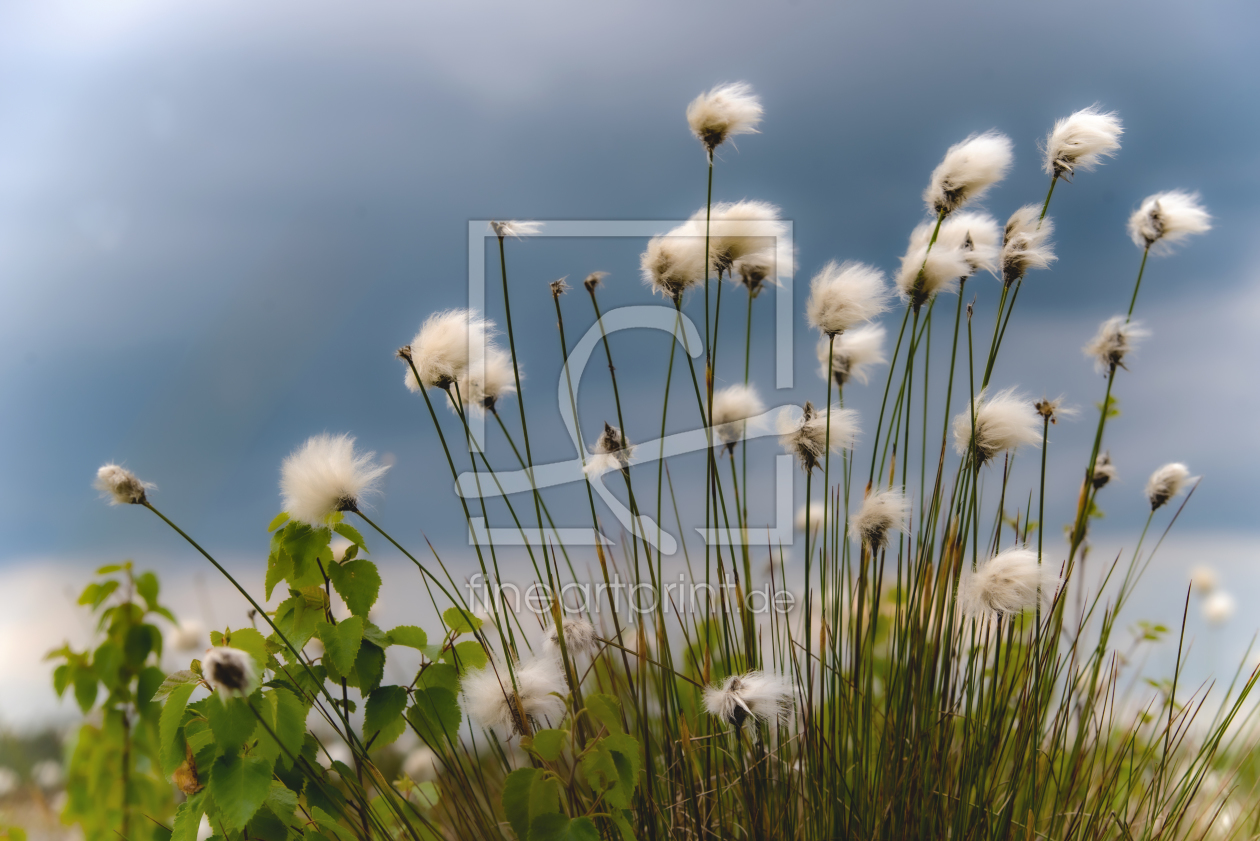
(949,673)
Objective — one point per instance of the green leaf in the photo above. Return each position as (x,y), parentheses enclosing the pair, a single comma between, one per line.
(439,674)
(435,715)
(606,710)
(265,826)
(516,790)
(369,667)
(147,587)
(466,655)
(97,592)
(286,717)
(282,800)
(147,683)
(174,680)
(239,785)
(188,818)
(460,621)
(383,715)
(139,643)
(341,642)
(251,642)
(85,685)
(309,549)
(358,582)
(548,743)
(352,534)
(232,720)
(410,636)
(611,766)
(62,675)
(555,827)
(169,736)
(278,521)
(108,568)
(279,568)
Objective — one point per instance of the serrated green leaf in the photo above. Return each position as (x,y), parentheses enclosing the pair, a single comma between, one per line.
(279,568)
(439,674)
(278,521)
(375,635)
(516,788)
(410,636)
(169,736)
(147,683)
(350,533)
(239,785)
(383,720)
(435,715)
(556,827)
(460,621)
(358,583)
(606,710)
(309,550)
(232,720)
(341,642)
(173,680)
(282,800)
(548,743)
(188,818)
(466,656)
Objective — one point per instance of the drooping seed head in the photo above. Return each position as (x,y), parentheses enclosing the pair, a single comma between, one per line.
(1081,141)
(759,696)
(967,171)
(854,352)
(727,110)
(120,486)
(1167,482)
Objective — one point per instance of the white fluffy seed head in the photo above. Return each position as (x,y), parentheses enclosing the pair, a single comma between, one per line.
(515,229)
(1166,482)
(756,271)
(580,638)
(1003,422)
(230,670)
(967,171)
(674,262)
(881,513)
(739,230)
(977,235)
(1204,579)
(1219,607)
(482,386)
(449,346)
(1026,243)
(726,110)
(925,273)
(324,476)
(489,698)
(1081,141)
(760,696)
(1006,585)
(1104,470)
(1115,339)
(808,436)
(732,407)
(120,486)
(1165,219)
(611,451)
(854,352)
(846,294)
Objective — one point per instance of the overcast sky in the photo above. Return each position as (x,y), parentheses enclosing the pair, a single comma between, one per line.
(219,219)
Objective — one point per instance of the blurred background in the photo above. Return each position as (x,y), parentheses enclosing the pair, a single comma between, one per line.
(219,219)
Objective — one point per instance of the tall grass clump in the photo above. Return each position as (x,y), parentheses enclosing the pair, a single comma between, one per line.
(947,671)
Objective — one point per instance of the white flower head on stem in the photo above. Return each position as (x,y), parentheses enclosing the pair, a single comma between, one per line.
(1081,141)
(1026,243)
(1167,482)
(230,670)
(449,345)
(755,271)
(674,262)
(842,295)
(611,452)
(726,110)
(559,287)
(732,407)
(967,171)
(1006,585)
(1104,471)
(539,694)
(1053,409)
(738,230)
(1204,579)
(1115,339)
(977,235)
(881,513)
(121,486)
(854,352)
(594,280)
(579,638)
(807,437)
(481,386)
(1165,219)
(755,695)
(1219,607)
(325,476)
(515,229)
(1003,422)
(925,273)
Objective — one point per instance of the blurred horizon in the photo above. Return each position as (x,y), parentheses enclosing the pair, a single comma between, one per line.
(218,220)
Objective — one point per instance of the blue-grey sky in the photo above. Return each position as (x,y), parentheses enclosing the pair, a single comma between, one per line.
(219,219)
